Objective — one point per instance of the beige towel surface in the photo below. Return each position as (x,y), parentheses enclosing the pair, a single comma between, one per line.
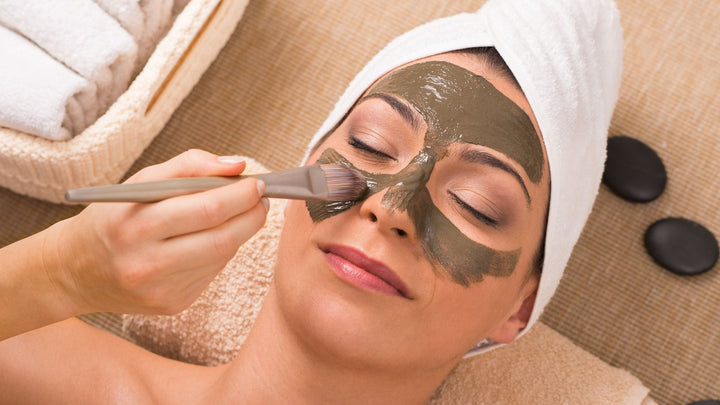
(542,367)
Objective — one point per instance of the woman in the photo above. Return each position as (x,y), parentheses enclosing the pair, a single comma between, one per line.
(375,301)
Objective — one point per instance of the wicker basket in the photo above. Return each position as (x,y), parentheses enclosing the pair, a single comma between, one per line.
(102,153)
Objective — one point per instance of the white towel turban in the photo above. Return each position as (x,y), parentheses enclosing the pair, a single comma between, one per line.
(567,57)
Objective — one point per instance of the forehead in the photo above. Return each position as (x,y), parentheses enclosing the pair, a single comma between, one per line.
(460,106)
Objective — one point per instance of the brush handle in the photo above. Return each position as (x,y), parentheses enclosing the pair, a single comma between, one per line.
(283,184)
(147,192)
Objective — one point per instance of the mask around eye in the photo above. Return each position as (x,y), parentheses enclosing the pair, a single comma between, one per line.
(458,106)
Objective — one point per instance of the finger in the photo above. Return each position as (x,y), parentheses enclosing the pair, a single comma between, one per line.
(217,245)
(196,212)
(192,163)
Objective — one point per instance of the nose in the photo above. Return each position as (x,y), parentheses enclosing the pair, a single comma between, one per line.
(388,219)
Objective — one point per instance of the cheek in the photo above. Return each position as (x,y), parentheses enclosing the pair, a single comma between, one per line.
(296,215)
(297,228)
(471,314)
(293,248)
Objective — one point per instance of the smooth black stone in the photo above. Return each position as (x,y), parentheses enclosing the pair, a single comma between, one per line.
(682,246)
(706,402)
(633,170)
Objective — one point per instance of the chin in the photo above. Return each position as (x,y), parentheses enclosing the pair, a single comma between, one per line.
(343,322)
(332,319)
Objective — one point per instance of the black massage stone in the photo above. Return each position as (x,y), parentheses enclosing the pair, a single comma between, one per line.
(681,246)
(633,170)
(706,402)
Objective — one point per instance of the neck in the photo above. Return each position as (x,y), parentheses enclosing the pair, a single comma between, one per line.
(277,366)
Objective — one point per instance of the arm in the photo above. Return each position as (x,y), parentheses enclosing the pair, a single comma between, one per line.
(132,258)
(29,297)
(71,362)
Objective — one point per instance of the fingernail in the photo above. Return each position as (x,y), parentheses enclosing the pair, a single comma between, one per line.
(266,203)
(261,187)
(230,159)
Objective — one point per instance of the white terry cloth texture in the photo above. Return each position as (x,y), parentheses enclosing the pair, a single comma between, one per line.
(145,20)
(131,17)
(81,35)
(128,13)
(40,95)
(567,57)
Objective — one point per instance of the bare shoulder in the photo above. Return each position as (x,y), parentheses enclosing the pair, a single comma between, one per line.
(72,362)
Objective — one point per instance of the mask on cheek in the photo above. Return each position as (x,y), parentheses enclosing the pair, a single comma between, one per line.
(445,246)
(458,106)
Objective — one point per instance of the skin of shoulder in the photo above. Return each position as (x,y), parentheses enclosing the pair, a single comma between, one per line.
(72,362)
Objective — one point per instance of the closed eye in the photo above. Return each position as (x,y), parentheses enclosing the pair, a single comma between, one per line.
(362,146)
(477,214)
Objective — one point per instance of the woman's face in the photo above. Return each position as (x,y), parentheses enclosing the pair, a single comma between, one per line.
(437,255)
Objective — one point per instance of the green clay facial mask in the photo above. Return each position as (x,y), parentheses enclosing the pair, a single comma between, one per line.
(458,107)
(465,260)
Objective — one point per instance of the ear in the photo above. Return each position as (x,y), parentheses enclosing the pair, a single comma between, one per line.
(511,328)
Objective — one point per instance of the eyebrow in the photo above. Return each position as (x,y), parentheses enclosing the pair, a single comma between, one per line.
(476,156)
(412,117)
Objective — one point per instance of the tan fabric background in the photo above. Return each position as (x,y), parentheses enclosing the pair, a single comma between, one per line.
(288,62)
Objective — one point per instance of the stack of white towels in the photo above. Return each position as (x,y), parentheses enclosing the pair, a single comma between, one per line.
(64,62)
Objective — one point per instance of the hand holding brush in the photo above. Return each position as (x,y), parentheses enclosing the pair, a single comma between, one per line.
(151,258)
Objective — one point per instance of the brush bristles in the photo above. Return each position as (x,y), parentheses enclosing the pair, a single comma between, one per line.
(343,183)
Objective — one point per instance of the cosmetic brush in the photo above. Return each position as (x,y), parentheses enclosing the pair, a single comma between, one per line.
(329,182)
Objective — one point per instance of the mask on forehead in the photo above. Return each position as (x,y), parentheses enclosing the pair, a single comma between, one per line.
(458,107)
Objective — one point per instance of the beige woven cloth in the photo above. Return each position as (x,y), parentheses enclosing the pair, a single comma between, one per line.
(288,62)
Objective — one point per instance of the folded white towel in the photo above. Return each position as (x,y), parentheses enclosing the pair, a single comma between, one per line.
(82,36)
(131,17)
(128,13)
(145,20)
(39,95)
(158,16)
(567,57)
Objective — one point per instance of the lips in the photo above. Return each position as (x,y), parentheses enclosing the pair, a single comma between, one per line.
(355,267)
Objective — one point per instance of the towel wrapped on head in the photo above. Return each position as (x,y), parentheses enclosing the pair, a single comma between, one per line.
(567,57)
